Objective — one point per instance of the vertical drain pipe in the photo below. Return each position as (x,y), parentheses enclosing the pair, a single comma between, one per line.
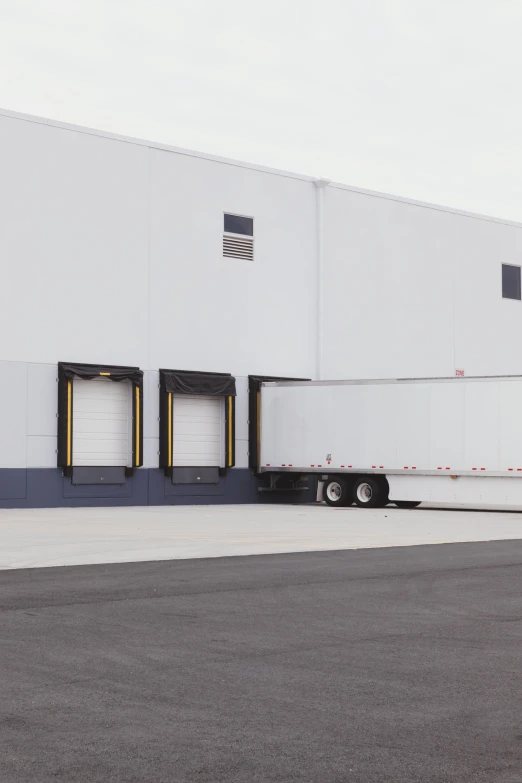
(320,185)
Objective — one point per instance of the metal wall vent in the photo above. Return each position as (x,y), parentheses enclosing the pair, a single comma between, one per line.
(238,247)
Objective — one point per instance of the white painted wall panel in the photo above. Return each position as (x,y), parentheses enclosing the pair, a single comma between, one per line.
(151,405)
(42,399)
(241,459)
(221,314)
(41,451)
(150,452)
(13,414)
(487,327)
(241,408)
(73,245)
(241,454)
(411,291)
(388,287)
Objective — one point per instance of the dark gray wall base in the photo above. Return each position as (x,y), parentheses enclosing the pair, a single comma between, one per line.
(13,484)
(48,488)
(237,486)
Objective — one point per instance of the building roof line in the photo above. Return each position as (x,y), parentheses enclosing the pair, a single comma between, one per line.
(426,205)
(150,144)
(251,166)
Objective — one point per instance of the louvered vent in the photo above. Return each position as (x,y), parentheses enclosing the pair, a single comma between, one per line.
(238,247)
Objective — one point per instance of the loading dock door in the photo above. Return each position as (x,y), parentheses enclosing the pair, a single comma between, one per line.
(101,422)
(198,431)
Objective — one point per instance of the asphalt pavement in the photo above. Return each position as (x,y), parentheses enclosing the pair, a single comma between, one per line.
(399,665)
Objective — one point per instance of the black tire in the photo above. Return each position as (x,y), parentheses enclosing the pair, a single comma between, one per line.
(369,492)
(407,503)
(336,492)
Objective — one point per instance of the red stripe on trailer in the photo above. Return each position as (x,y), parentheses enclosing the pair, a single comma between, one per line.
(450,468)
(312,466)
(510,468)
(374,466)
(290,465)
(381,467)
(473,468)
(483,468)
(441,468)
(319,466)
(350,466)
(519,468)
(342,466)
(414,467)
(283,464)
(267,464)
(405,467)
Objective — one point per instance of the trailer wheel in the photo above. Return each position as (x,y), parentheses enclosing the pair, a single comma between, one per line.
(336,492)
(369,492)
(407,503)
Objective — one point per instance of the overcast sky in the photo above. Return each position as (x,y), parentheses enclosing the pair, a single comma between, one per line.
(421,98)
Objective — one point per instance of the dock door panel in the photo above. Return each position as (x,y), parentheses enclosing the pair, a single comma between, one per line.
(102,416)
(198,431)
(197,424)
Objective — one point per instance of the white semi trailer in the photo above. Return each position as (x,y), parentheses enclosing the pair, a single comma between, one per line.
(403,441)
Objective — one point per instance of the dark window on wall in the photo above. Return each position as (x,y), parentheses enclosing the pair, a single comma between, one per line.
(235,224)
(510,282)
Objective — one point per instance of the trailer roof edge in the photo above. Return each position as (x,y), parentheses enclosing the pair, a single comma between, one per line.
(369,381)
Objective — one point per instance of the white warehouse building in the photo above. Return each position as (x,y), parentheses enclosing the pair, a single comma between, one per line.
(147,291)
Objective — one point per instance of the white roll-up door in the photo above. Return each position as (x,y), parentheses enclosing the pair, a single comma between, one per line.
(101,422)
(198,431)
